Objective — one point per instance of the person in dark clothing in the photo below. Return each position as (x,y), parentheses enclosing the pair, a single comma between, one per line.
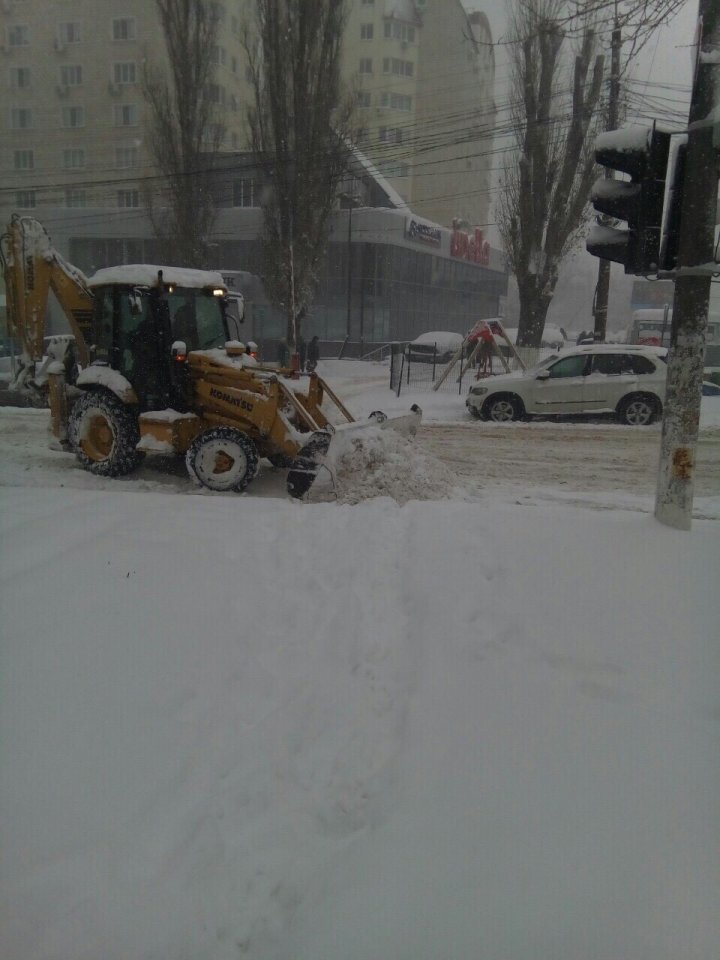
(302,351)
(313,354)
(283,353)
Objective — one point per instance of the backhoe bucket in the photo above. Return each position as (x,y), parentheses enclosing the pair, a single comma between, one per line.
(311,457)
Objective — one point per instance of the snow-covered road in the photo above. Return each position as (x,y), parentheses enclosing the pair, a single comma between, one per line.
(584,463)
(483,724)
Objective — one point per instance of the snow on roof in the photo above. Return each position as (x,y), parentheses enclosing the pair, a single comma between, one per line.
(390,192)
(402,10)
(146,274)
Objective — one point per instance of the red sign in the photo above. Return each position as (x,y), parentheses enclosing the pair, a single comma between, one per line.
(469,246)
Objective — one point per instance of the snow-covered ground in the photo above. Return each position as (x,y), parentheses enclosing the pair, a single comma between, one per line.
(242,726)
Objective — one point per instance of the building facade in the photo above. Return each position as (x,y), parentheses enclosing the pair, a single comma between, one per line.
(425,74)
(75,151)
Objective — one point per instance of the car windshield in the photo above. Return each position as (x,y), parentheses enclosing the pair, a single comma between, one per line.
(541,364)
(197,318)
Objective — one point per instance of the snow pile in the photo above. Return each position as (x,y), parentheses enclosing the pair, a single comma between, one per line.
(383,463)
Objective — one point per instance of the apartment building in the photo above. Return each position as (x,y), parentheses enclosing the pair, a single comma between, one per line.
(425,73)
(74,124)
(75,151)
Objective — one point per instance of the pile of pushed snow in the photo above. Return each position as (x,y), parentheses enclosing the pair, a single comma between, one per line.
(382,463)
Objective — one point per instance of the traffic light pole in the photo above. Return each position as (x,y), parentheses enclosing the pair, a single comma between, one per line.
(676,474)
(602,290)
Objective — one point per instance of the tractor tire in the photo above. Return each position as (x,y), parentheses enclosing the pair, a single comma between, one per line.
(103,433)
(222,459)
(305,466)
(638,410)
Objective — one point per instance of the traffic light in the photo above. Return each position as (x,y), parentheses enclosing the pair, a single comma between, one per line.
(641,152)
(670,240)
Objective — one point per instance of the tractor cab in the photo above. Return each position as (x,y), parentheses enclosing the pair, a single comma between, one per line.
(142,314)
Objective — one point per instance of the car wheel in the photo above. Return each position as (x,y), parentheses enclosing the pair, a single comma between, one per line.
(222,458)
(638,410)
(104,434)
(503,409)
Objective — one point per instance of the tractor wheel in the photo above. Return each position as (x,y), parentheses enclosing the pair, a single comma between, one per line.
(305,466)
(222,458)
(104,433)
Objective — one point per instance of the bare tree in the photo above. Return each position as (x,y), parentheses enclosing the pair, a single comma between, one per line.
(186,132)
(544,194)
(300,132)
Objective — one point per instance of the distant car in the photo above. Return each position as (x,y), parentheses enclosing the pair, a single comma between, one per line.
(440,345)
(628,381)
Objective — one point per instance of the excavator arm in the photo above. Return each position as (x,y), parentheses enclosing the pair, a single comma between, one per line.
(32,267)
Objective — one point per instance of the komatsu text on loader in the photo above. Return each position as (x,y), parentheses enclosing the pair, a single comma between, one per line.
(156,366)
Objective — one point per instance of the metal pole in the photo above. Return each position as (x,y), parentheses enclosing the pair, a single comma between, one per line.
(348,332)
(676,472)
(602,290)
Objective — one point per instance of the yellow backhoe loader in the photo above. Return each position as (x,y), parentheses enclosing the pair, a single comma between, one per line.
(162,370)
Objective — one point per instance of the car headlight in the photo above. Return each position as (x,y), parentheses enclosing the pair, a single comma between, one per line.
(478,391)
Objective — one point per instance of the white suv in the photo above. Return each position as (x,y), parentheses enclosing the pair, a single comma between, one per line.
(598,378)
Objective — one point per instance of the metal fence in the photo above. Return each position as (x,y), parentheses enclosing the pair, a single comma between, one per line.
(413,370)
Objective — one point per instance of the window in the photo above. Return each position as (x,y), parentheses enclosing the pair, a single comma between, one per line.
(243,193)
(396,101)
(400,68)
(399,31)
(366,31)
(641,365)
(69,32)
(123,28)
(569,367)
(20,78)
(124,73)
(126,156)
(365,65)
(73,116)
(75,198)
(364,99)
(73,159)
(610,364)
(25,200)
(219,56)
(23,160)
(18,35)
(390,135)
(125,115)
(21,118)
(71,76)
(128,198)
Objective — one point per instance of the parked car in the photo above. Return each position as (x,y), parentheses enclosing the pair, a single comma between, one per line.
(440,345)
(628,381)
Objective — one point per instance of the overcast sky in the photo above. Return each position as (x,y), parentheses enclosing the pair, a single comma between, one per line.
(666,58)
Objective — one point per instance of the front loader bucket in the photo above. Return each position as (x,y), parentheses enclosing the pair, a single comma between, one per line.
(310,458)
(304,468)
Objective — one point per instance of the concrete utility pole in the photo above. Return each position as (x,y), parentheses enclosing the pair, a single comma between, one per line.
(676,475)
(602,290)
